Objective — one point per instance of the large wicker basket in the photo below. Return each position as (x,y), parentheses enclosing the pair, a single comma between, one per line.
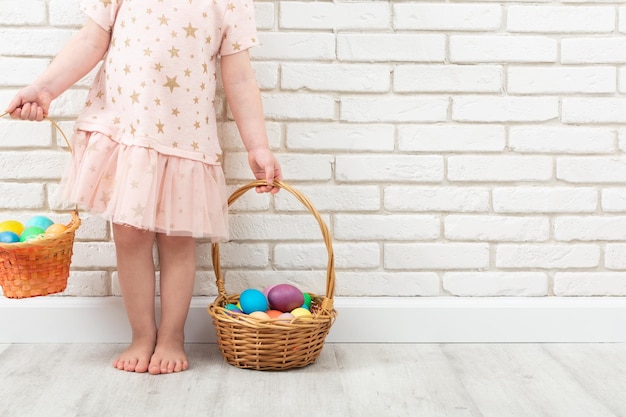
(41,266)
(266,345)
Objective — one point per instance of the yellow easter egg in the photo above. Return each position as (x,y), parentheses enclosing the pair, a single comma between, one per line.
(12,226)
(302,313)
(56,229)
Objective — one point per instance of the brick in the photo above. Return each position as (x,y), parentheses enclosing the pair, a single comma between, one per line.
(451,138)
(19,134)
(299,106)
(547,199)
(496,284)
(39,165)
(338,198)
(496,228)
(315,256)
(336,77)
(33,42)
(263,227)
(396,47)
(234,255)
(504,109)
(436,198)
(298,166)
(394,109)
(499,168)
(93,227)
(266,74)
(615,256)
(502,48)
(374,227)
(561,80)
(593,50)
(20,71)
(454,17)
(448,78)
(264,15)
(614,199)
(294,45)
(337,137)
(589,228)
(342,15)
(442,256)
(88,284)
(562,139)
(21,196)
(567,284)
(231,140)
(548,256)
(24,12)
(374,283)
(94,254)
(593,110)
(412,168)
(591,169)
(560,19)
(66,13)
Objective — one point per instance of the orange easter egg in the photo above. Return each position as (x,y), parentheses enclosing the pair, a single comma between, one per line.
(56,229)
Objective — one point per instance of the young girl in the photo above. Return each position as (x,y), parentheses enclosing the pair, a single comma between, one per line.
(146,153)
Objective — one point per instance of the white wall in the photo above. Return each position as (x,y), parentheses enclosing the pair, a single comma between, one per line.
(454,148)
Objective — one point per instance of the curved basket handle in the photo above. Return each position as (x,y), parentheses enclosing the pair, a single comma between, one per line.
(56,125)
(327,303)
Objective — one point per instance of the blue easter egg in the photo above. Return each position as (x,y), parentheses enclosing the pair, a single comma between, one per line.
(39,221)
(9,237)
(252,300)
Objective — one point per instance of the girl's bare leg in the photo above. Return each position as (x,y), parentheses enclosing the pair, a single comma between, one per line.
(135,268)
(177,258)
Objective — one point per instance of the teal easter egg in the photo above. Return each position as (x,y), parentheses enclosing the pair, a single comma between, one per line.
(9,237)
(31,232)
(39,221)
(252,300)
(233,308)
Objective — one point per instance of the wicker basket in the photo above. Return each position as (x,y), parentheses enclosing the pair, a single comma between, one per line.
(272,345)
(38,267)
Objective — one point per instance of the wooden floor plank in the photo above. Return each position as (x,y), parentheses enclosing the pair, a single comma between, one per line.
(360,380)
(521,380)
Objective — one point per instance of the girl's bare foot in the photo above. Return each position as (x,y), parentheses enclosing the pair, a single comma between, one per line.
(169,356)
(136,357)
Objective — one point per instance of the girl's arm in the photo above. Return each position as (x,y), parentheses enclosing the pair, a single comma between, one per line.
(244,99)
(79,56)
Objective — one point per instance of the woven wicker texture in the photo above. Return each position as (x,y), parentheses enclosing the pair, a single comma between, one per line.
(273,345)
(41,266)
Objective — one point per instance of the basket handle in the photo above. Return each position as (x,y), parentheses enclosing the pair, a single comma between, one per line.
(56,125)
(327,303)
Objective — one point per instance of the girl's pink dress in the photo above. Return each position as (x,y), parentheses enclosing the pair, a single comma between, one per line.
(146,151)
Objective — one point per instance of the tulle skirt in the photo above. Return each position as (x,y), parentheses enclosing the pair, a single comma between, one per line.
(140,187)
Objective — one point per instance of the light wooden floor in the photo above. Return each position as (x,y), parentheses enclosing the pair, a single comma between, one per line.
(425,380)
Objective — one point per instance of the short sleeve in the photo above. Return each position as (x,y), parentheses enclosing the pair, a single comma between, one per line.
(103,12)
(239,27)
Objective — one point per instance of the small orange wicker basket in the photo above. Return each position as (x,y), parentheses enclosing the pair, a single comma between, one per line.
(41,266)
(273,345)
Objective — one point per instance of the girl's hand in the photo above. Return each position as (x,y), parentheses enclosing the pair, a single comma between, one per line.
(30,103)
(265,167)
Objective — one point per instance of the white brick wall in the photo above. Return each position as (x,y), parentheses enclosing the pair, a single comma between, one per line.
(453,148)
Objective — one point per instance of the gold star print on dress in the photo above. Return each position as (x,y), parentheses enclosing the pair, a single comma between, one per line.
(150,114)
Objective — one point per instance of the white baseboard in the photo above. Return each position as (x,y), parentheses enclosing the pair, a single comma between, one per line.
(361,320)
